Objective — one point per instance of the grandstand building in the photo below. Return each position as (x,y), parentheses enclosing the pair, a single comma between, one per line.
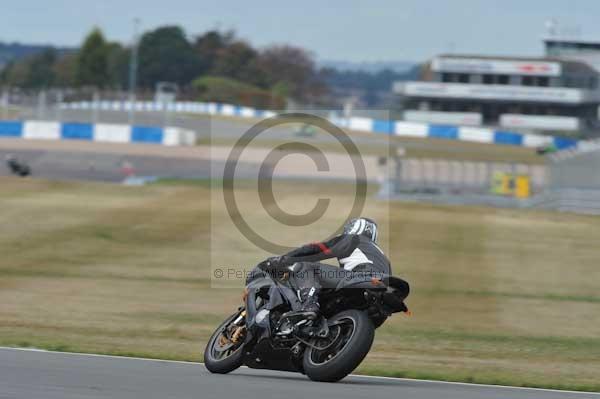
(558,93)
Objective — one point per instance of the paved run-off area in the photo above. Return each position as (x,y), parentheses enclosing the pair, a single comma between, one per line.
(48,375)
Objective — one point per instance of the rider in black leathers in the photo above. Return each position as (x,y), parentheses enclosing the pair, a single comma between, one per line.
(355,249)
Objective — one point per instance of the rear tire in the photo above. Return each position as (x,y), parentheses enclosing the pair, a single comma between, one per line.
(319,365)
(226,364)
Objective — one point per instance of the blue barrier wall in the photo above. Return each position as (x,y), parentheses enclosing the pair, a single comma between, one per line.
(383,126)
(509,138)
(11,129)
(443,132)
(450,132)
(146,134)
(89,132)
(562,143)
(77,131)
(152,134)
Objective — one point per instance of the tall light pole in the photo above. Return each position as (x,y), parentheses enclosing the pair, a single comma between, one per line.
(5,103)
(133,66)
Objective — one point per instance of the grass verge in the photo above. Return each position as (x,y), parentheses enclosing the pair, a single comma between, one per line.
(499,296)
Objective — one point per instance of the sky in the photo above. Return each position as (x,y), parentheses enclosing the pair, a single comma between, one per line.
(344,30)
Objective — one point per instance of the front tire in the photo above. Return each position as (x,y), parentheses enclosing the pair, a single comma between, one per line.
(217,358)
(352,334)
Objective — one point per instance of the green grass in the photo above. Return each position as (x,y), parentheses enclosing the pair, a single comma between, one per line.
(549,297)
(479,378)
(499,296)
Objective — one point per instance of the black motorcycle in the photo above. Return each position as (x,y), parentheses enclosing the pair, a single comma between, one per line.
(17,167)
(261,335)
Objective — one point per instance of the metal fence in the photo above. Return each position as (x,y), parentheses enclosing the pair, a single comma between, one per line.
(574,182)
(18,104)
(575,170)
(584,201)
(451,177)
(452,181)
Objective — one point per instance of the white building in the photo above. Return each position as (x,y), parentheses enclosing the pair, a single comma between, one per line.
(559,93)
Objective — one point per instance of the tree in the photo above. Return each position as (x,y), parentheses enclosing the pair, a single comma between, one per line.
(208,46)
(236,61)
(41,71)
(227,90)
(166,55)
(36,71)
(118,65)
(64,70)
(92,62)
(15,73)
(291,68)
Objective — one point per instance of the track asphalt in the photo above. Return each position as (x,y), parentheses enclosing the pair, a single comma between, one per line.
(32,374)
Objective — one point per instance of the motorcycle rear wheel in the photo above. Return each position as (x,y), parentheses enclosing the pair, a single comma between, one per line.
(218,357)
(351,337)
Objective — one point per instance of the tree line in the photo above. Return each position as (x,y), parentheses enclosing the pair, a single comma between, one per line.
(214,66)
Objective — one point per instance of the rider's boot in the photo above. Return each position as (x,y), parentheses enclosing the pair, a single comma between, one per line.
(310,304)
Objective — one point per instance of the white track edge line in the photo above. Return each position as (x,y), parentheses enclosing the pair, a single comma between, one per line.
(351,375)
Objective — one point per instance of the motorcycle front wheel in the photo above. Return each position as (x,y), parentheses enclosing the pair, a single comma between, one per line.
(330,359)
(224,353)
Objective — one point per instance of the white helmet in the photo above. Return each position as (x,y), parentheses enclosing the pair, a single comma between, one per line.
(362,226)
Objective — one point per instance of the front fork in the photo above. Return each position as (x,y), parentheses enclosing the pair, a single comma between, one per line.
(242,316)
(236,330)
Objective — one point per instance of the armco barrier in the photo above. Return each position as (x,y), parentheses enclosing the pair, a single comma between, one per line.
(11,129)
(443,132)
(147,134)
(509,138)
(41,130)
(383,126)
(476,134)
(398,128)
(77,131)
(44,130)
(112,133)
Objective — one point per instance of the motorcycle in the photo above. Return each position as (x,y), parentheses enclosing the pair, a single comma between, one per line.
(17,167)
(261,335)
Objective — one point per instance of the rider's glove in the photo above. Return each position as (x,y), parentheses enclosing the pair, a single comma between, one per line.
(274,263)
(278,261)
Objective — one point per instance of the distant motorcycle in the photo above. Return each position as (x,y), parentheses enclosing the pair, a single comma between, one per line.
(18,168)
(259,335)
